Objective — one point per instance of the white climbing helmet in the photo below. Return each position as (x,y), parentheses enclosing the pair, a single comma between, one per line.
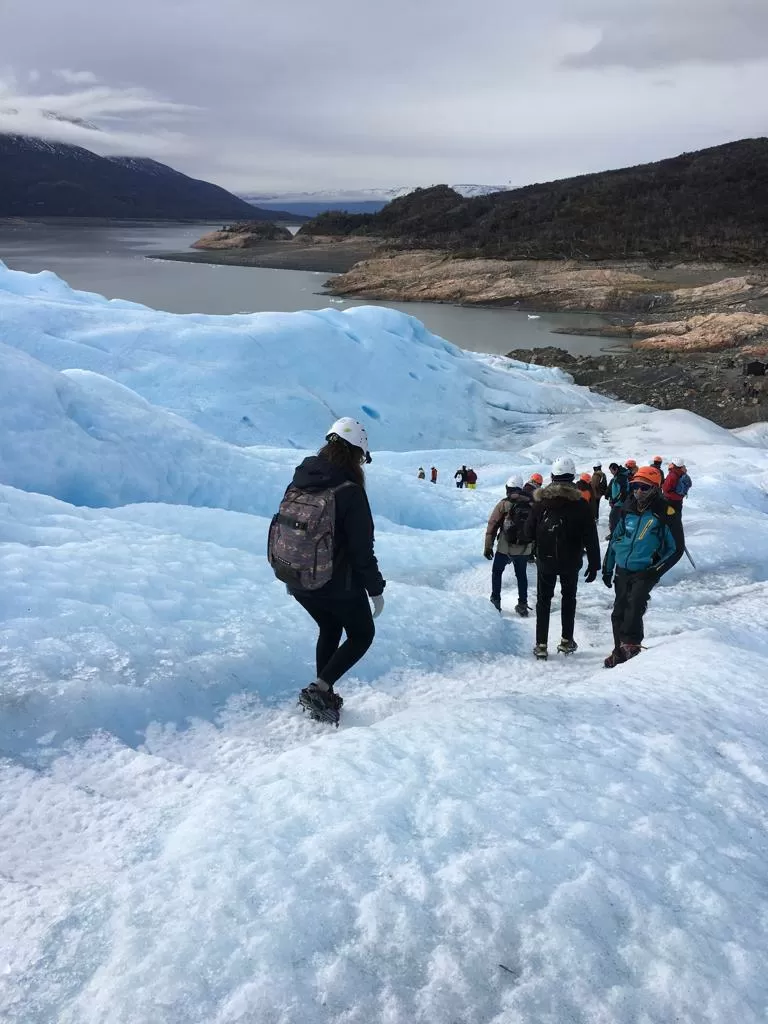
(515,481)
(564,466)
(677,463)
(351,431)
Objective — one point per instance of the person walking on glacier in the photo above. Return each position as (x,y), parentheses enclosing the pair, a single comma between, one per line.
(647,541)
(676,485)
(562,526)
(321,545)
(506,526)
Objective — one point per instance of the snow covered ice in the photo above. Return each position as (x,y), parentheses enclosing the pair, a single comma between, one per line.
(485,838)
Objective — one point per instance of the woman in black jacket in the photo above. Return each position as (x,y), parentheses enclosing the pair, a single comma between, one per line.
(341,605)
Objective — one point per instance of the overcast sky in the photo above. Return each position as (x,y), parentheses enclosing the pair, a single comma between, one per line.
(314,94)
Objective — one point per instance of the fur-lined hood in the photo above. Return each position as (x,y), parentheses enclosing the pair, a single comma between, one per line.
(558,492)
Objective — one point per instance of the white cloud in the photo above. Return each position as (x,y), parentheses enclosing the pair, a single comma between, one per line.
(76,77)
(107,120)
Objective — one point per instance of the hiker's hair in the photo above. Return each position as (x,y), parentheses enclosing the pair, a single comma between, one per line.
(347,457)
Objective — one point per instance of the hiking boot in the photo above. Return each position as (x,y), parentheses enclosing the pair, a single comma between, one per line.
(540,652)
(323,705)
(567,646)
(615,658)
(522,610)
(496,602)
(630,650)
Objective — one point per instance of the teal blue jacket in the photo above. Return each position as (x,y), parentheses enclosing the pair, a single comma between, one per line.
(651,539)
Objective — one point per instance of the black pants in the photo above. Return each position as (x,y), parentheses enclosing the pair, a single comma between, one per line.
(500,563)
(614,517)
(569,581)
(632,592)
(337,615)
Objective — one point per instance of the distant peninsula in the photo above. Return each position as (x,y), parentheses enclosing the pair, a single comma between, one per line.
(41,178)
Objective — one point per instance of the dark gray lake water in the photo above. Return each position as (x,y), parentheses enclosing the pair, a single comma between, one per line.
(112,260)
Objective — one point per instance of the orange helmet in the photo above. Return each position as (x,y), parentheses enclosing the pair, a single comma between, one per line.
(630,464)
(537,478)
(648,475)
(586,477)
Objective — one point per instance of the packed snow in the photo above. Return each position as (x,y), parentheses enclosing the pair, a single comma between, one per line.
(485,839)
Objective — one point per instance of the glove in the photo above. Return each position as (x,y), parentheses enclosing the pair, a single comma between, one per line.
(608,579)
(488,553)
(590,575)
(378,605)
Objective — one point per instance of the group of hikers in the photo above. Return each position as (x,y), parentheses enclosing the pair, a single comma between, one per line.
(432,474)
(465,477)
(556,525)
(321,546)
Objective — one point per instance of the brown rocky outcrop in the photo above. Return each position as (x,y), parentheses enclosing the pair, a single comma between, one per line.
(568,285)
(243,236)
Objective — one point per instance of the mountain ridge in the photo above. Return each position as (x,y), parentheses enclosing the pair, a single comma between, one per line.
(45,178)
(708,204)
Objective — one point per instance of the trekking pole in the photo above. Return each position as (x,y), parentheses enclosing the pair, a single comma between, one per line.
(688,554)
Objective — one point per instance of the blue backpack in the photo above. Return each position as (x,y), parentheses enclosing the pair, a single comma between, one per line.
(684,485)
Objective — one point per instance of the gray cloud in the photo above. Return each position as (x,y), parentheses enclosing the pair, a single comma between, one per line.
(654,33)
(344,94)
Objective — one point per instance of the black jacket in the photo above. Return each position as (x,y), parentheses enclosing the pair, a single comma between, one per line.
(580,528)
(354,564)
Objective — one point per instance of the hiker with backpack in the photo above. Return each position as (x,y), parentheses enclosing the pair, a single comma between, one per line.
(618,492)
(460,476)
(563,527)
(599,486)
(433,474)
(471,479)
(676,485)
(535,481)
(647,541)
(584,483)
(421,475)
(321,547)
(506,528)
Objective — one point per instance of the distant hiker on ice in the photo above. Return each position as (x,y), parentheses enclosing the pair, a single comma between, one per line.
(647,541)
(676,485)
(471,479)
(618,492)
(507,525)
(563,527)
(433,475)
(599,486)
(535,481)
(631,467)
(584,483)
(658,463)
(460,476)
(332,582)
(421,474)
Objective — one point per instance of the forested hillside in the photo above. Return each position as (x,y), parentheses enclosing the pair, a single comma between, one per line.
(711,204)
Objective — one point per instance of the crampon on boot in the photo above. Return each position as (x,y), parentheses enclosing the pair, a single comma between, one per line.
(567,646)
(522,610)
(496,602)
(540,652)
(630,650)
(322,705)
(615,658)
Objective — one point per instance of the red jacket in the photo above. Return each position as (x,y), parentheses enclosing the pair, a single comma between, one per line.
(669,485)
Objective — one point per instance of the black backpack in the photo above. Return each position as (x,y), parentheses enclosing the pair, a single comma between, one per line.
(513,523)
(551,535)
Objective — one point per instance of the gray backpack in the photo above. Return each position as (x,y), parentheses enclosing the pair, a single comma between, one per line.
(300,545)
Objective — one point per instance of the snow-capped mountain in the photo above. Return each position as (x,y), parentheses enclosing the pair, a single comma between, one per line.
(361,195)
(359,200)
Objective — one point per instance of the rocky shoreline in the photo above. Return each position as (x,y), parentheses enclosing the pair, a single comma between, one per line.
(716,386)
